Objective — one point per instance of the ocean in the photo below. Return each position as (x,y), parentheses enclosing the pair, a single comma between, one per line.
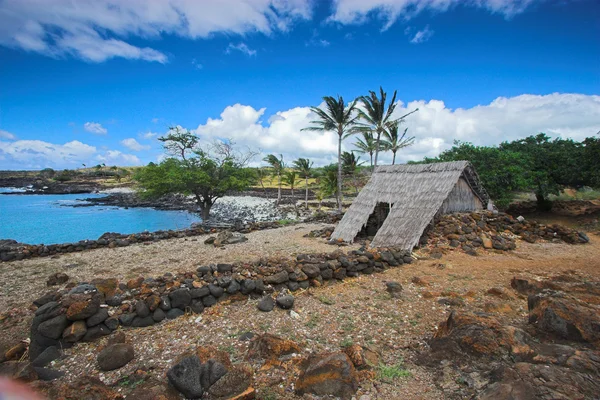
(49,219)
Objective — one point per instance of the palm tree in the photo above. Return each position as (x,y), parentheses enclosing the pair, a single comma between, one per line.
(278,167)
(350,164)
(366,145)
(290,177)
(328,181)
(394,142)
(377,115)
(341,119)
(261,175)
(304,167)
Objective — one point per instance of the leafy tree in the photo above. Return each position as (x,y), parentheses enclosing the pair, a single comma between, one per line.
(502,172)
(591,161)
(340,119)
(290,178)
(47,173)
(304,168)
(394,141)
(261,174)
(278,168)
(376,116)
(328,182)
(366,145)
(206,173)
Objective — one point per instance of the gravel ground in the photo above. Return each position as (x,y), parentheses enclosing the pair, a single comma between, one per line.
(359,310)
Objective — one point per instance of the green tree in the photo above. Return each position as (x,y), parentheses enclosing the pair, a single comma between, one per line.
(340,119)
(502,172)
(591,161)
(328,182)
(260,177)
(304,168)
(394,141)
(290,178)
(206,173)
(278,167)
(376,116)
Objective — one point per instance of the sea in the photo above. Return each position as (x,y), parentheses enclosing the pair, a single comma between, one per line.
(51,219)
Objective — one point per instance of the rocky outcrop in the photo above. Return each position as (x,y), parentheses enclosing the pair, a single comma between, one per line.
(329,374)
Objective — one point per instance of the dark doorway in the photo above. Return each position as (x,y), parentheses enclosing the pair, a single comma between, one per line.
(376,219)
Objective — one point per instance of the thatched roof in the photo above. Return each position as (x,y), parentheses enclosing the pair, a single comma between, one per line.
(415,192)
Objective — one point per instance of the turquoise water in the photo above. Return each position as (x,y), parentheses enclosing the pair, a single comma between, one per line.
(36,219)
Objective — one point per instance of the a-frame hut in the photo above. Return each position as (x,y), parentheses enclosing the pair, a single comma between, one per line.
(399,201)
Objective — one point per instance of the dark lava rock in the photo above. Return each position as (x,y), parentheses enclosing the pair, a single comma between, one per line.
(114,301)
(158,315)
(74,332)
(57,279)
(142,309)
(96,332)
(127,319)
(48,374)
(48,355)
(246,336)
(165,303)
(330,374)
(293,286)
(266,304)
(197,293)
(203,270)
(139,322)
(174,313)
(180,298)
(215,291)
(84,309)
(54,327)
(115,356)
(197,306)
(393,288)
(48,310)
(83,288)
(224,268)
(112,323)
(185,376)
(311,270)
(209,301)
(277,278)
(285,301)
(97,318)
(233,287)
(248,286)
(48,297)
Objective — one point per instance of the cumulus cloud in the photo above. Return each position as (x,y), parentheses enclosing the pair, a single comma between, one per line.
(241,47)
(389,11)
(422,35)
(435,126)
(7,135)
(97,30)
(134,145)
(148,135)
(95,127)
(115,157)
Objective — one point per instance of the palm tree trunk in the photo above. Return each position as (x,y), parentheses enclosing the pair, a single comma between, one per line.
(339,183)
(279,190)
(377,147)
(306,198)
(394,158)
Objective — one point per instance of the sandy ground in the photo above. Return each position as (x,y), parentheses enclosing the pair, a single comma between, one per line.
(358,310)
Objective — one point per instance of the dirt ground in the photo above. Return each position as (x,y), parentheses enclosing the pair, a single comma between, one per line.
(358,311)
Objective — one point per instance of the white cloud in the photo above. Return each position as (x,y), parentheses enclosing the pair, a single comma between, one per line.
(38,154)
(115,157)
(95,127)
(389,11)
(134,145)
(434,125)
(7,135)
(148,135)
(97,30)
(422,35)
(242,47)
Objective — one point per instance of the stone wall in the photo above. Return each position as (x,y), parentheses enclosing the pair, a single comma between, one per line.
(89,310)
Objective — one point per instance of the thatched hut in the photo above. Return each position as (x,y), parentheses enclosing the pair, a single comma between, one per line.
(399,201)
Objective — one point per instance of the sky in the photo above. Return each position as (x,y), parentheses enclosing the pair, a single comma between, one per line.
(98,81)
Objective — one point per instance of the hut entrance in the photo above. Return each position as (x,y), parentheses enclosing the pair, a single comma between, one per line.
(376,219)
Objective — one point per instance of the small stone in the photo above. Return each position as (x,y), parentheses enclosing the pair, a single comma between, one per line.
(135,283)
(174,313)
(158,315)
(54,327)
(152,302)
(97,318)
(215,291)
(285,300)
(197,306)
(141,309)
(165,303)
(142,322)
(185,376)
(115,356)
(266,304)
(75,332)
(209,301)
(127,319)
(393,288)
(96,332)
(197,293)
(112,323)
(278,278)
(57,279)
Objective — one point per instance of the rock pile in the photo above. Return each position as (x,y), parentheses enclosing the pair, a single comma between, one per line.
(90,310)
(500,361)
(489,230)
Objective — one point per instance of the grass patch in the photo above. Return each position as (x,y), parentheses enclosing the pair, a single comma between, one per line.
(392,372)
(347,342)
(286,221)
(313,321)
(326,300)
(228,349)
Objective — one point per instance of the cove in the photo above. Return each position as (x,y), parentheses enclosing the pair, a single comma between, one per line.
(50,219)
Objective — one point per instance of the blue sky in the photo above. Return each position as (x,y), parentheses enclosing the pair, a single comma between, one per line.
(97,81)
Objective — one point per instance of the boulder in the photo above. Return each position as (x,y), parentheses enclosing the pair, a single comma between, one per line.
(142,322)
(158,315)
(393,288)
(48,355)
(97,318)
(108,287)
(174,313)
(311,270)
(266,304)
(180,298)
(74,332)
(233,383)
(96,332)
(57,279)
(53,328)
(267,346)
(115,356)
(278,278)
(329,374)
(142,309)
(190,377)
(83,309)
